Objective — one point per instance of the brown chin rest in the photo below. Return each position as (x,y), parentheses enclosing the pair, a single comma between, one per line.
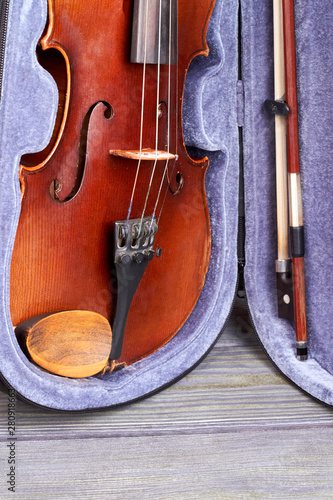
(73,344)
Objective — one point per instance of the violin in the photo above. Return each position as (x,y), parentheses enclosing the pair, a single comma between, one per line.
(114,217)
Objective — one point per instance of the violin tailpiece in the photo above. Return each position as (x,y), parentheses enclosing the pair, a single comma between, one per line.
(134,242)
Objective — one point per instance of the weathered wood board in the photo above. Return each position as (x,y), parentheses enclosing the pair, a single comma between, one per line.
(234,428)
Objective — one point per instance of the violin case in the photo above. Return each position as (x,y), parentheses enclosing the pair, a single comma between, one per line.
(224,117)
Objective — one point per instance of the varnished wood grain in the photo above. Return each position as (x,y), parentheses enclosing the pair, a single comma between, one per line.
(294,185)
(299,299)
(63,253)
(74,344)
(291,85)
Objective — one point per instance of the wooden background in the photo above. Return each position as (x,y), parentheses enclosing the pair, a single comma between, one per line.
(234,428)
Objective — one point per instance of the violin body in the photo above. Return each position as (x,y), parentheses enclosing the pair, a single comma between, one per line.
(75,190)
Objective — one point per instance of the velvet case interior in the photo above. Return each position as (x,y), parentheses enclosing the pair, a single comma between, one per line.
(216,104)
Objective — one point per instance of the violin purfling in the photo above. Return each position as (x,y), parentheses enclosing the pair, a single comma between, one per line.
(90,218)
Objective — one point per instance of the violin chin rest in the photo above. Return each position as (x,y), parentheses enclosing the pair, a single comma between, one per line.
(73,344)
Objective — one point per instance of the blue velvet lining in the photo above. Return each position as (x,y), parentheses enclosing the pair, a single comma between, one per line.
(314,40)
(213,307)
(213,109)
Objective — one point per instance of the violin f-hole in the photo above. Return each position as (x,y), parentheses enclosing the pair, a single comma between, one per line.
(61,259)
(178,184)
(55,187)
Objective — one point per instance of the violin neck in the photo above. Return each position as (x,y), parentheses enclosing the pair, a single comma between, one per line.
(154,32)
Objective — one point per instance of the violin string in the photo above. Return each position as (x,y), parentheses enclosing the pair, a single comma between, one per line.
(157,113)
(176,128)
(142,115)
(168,121)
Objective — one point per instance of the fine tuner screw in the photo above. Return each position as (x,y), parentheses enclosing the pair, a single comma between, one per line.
(124,259)
(139,257)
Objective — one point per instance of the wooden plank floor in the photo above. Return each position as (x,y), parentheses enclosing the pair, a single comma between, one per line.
(234,428)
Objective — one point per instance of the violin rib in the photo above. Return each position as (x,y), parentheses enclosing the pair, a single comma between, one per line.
(63,252)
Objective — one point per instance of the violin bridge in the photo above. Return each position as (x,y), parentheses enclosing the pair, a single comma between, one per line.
(134,242)
(144,154)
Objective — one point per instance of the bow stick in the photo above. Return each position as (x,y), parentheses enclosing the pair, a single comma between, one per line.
(294,182)
(283,262)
